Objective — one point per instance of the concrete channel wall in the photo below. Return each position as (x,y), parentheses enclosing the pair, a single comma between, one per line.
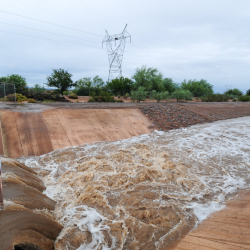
(22,218)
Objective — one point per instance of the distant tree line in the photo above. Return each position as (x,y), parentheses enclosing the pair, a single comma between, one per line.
(146,82)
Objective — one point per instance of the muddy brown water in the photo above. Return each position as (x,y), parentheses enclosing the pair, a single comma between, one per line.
(146,192)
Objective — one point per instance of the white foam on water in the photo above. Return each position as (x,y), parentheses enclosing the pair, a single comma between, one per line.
(202,211)
(212,161)
(87,219)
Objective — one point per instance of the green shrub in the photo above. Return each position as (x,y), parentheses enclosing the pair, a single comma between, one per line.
(139,95)
(159,96)
(31,101)
(38,89)
(91,100)
(102,96)
(73,96)
(66,92)
(20,98)
(126,96)
(10,97)
(234,100)
(48,101)
(233,92)
(231,96)
(56,92)
(244,98)
(40,96)
(215,98)
(181,94)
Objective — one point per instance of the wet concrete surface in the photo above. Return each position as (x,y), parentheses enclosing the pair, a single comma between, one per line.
(228,229)
(25,216)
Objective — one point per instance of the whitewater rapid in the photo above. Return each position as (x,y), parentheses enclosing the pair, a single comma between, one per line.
(148,191)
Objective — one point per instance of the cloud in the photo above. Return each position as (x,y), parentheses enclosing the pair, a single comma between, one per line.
(183,39)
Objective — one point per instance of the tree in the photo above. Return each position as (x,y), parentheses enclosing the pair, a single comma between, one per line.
(159,96)
(188,95)
(120,85)
(198,88)
(248,92)
(38,89)
(181,94)
(84,82)
(234,92)
(149,78)
(19,81)
(88,82)
(139,95)
(97,82)
(169,85)
(60,79)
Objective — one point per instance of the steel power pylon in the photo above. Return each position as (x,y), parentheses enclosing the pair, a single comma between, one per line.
(115,53)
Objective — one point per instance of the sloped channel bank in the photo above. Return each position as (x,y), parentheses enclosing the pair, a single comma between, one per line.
(26,219)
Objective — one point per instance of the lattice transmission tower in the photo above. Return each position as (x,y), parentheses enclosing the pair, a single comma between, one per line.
(115,46)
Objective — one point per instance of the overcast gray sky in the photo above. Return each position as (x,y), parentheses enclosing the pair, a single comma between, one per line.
(184,39)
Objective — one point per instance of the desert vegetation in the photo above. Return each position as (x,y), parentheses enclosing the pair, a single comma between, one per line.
(102,96)
(145,83)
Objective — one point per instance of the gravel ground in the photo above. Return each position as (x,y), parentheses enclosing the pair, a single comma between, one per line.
(219,110)
(167,117)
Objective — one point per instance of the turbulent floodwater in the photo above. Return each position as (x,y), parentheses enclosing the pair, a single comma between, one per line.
(148,191)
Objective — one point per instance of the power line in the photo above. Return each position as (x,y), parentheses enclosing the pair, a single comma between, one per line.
(132,28)
(49,39)
(116,55)
(156,59)
(81,21)
(71,29)
(134,56)
(49,23)
(49,32)
(57,14)
(97,11)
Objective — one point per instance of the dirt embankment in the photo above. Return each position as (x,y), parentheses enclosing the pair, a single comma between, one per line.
(166,117)
(219,110)
(171,116)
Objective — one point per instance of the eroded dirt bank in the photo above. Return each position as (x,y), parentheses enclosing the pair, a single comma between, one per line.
(148,191)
